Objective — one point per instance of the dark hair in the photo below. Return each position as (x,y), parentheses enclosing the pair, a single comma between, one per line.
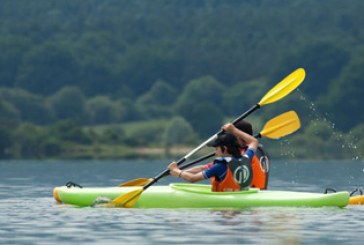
(233,150)
(245,127)
(229,141)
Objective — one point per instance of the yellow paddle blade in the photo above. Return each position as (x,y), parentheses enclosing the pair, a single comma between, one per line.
(128,199)
(281,125)
(136,182)
(283,88)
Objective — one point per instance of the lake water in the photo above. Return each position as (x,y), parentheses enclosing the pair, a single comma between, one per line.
(29,215)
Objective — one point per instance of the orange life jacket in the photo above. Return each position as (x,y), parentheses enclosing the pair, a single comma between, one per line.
(259,174)
(227,184)
(242,179)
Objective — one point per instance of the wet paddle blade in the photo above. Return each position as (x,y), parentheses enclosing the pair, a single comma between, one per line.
(128,199)
(281,125)
(136,182)
(286,86)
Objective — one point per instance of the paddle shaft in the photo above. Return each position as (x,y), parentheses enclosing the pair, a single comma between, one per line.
(183,159)
(166,172)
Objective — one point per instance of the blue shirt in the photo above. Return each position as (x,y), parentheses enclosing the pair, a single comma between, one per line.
(218,170)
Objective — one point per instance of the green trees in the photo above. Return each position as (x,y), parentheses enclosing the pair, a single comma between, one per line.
(178,132)
(31,107)
(102,110)
(116,62)
(200,104)
(323,61)
(157,101)
(345,98)
(12,49)
(9,115)
(27,141)
(46,69)
(68,103)
(243,95)
(5,142)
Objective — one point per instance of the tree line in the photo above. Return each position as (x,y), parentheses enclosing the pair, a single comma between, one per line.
(190,63)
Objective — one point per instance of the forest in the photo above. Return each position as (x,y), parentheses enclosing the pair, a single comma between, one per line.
(112,78)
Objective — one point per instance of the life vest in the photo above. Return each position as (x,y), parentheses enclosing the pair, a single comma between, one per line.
(260,166)
(238,176)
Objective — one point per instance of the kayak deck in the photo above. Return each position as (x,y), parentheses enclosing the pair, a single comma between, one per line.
(200,196)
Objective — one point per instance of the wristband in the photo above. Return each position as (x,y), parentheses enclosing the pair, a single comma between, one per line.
(180,173)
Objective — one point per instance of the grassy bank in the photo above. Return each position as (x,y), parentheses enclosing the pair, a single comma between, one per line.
(116,152)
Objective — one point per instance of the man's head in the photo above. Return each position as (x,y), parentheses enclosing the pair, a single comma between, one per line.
(245,127)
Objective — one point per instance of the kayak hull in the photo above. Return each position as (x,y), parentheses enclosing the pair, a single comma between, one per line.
(199,196)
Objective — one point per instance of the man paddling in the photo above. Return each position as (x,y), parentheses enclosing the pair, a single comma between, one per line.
(260,161)
(230,171)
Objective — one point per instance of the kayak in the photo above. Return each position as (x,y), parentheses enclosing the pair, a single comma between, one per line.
(199,196)
(356,200)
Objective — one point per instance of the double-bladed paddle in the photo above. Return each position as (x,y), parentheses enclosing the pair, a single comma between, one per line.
(282,89)
(277,127)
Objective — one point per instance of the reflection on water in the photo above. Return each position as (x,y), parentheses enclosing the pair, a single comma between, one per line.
(29,215)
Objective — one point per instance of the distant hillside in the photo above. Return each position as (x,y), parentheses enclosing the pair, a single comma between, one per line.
(117,61)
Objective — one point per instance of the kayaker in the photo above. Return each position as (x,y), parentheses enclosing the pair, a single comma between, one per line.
(230,171)
(260,175)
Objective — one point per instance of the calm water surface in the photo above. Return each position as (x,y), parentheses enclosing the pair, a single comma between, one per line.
(29,215)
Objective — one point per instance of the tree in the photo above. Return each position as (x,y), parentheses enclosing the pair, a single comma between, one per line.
(46,69)
(9,115)
(243,95)
(9,121)
(323,62)
(31,107)
(113,136)
(68,103)
(150,134)
(27,141)
(178,131)
(101,110)
(156,102)
(69,131)
(343,101)
(5,141)
(12,51)
(355,137)
(203,89)
(200,104)
(205,118)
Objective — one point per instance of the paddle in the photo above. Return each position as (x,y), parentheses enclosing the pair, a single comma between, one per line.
(282,89)
(275,128)
(144,181)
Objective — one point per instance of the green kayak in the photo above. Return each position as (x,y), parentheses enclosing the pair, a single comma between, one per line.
(199,196)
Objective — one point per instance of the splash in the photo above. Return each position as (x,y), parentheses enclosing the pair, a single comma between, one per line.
(338,144)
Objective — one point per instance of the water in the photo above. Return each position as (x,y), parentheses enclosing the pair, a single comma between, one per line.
(29,215)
